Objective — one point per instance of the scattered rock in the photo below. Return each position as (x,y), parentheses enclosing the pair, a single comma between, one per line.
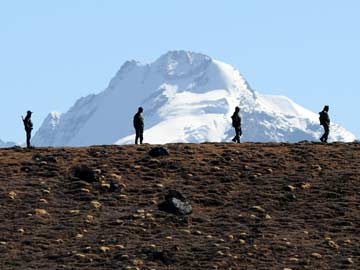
(159,151)
(349,261)
(84,172)
(332,244)
(258,209)
(41,212)
(104,249)
(316,255)
(154,253)
(305,185)
(290,188)
(175,203)
(96,204)
(12,195)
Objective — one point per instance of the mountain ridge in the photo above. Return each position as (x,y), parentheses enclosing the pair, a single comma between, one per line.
(189,92)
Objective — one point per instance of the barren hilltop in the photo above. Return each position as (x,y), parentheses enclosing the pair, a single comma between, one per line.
(254,206)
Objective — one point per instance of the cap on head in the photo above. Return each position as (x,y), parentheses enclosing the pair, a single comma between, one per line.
(326,108)
(140,109)
(237,109)
(29,112)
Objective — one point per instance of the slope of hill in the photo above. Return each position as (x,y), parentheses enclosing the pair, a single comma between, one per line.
(255,206)
(188,97)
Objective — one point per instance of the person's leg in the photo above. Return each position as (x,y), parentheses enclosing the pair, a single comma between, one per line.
(237,135)
(327,131)
(136,136)
(141,136)
(323,136)
(234,139)
(28,136)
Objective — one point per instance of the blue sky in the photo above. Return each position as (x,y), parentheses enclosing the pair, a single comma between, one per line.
(53,52)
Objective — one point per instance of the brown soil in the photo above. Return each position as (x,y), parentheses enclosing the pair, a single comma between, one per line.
(255,206)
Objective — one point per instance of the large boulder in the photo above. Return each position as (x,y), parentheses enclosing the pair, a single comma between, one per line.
(159,151)
(175,203)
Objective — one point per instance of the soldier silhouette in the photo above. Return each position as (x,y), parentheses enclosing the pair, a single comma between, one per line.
(139,126)
(236,123)
(28,127)
(325,122)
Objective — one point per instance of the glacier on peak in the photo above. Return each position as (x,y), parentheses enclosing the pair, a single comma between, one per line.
(187,97)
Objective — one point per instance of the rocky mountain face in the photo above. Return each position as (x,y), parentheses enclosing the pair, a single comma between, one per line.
(187,97)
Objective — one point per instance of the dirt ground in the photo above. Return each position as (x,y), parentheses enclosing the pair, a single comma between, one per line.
(255,206)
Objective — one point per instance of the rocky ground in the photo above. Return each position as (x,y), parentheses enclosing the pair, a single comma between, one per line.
(254,206)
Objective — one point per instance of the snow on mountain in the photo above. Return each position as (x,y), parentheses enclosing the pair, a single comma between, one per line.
(187,97)
(6,144)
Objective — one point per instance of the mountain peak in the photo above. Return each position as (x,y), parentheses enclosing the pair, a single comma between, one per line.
(187,97)
(179,64)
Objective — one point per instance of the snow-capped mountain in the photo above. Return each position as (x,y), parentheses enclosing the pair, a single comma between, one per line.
(6,144)
(187,97)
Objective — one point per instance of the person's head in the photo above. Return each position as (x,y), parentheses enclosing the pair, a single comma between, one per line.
(29,113)
(237,109)
(140,109)
(326,108)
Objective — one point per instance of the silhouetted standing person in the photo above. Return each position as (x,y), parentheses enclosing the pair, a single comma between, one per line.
(236,123)
(325,122)
(139,125)
(28,127)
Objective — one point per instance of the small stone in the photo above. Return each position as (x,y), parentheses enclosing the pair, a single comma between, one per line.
(317,168)
(333,245)
(197,233)
(349,261)
(159,185)
(293,259)
(105,184)
(89,219)
(79,236)
(116,177)
(21,231)
(290,188)
(316,255)
(41,212)
(258,209)
(267,216)
(120,246)
(46,191)
(269,170)
(3,243)
(242,241)
(96,204)
(85,190)
(43,200)
(168,238)
(104,249)
(305,185)
(12,195)
(76,212)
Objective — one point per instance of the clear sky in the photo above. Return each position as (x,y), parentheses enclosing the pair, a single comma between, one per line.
(53,52)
